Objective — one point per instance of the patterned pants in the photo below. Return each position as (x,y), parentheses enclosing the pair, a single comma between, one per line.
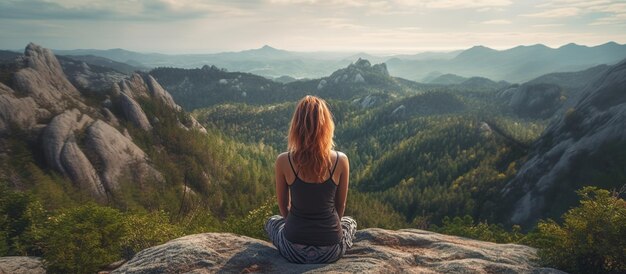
(309,254)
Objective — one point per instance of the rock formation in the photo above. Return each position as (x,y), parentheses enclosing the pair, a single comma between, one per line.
(82,140)
(42,79)
(588,139)
(21,112)
(374,251)
(134,112)
(359,72)
(118,155)
(21,265)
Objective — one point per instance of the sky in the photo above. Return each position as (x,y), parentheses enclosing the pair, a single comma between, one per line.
(379,26)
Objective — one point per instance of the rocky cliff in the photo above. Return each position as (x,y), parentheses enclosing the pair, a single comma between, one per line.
(374,251)
(583,146)
(78,131)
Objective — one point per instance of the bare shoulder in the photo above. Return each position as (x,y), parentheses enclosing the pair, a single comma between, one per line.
(343,158)
(282,158)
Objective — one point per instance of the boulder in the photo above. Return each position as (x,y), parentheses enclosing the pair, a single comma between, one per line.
(58,131)
(117,156)
(110,117)
(78,168)
(134,86)
(21,265)
(157,92)
(134,113)
(374,251)
(22,112)
(63,154)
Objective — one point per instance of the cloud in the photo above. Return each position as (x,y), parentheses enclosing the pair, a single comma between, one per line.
(555,13)
(496,22)
(617,19)
(546,25)
(465,4)
(606,12)
(349,3)
(113,10)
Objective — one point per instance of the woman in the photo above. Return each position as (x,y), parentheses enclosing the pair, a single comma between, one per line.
(311,189)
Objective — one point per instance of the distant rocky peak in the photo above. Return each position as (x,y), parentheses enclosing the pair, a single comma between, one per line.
(362,63)
(381,68)
(360,72)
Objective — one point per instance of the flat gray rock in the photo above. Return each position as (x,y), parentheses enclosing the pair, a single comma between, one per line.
(21,265)
(375,251)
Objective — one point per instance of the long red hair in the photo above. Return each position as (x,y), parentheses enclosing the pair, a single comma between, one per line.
(310,137)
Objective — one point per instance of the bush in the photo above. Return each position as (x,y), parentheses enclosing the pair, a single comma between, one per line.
(592,238)
(465,227)
(21,222)
(252,224)
(83,239)
(146,230)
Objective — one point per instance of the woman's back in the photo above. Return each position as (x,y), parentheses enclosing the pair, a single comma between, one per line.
(313,218)
(311,190)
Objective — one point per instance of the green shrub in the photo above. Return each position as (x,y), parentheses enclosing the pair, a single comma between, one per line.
(252,224)
(146,230)
(466,227)
(21,222)
(592,238)
(83,239)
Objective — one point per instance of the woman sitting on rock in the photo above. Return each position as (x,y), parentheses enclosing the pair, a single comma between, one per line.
(311,189)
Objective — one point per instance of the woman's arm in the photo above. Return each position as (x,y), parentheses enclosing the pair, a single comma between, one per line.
(342,191)
(282,192)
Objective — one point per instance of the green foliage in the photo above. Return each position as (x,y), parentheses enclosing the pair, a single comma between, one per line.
(83,239)
(592,238)
(466,227)
(21,223)
(144,230)
(252,224)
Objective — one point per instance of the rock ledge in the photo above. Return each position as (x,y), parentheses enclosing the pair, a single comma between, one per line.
(374,251)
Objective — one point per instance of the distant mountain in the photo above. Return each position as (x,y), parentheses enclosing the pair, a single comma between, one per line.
(447,79)
(119,55)
(265,61)
(210,85)
(285,79)
(8,56)
(550,94)
(105,62)
(429,55)
(519,64)
(572,80)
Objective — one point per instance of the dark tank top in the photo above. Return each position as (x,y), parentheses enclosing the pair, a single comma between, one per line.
(313,219)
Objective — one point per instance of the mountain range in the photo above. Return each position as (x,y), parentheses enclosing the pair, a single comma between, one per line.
(515,65)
